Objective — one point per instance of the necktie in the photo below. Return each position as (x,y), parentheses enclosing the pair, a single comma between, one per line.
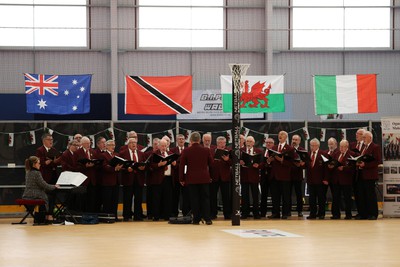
(280,148)
(164,154)
(359,146)
(135,159)
(341,157)
(88,154)
(249,151)
(364,150)
(313,159)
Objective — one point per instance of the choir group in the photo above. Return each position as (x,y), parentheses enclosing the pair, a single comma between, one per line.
(169,178)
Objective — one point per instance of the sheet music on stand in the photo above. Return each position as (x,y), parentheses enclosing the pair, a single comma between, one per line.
(68,178)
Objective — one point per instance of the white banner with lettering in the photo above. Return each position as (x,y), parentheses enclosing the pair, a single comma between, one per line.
(207,105)
(391,166)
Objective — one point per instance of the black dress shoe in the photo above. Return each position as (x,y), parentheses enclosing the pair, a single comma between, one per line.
(209,222)
(196,222)
(156,219)
(300,214)
(284,217)
(335,218)
(127,219)
(358,217)
(274,216)
(257,217)
(311,217)
(348,217)
(372,218)
(136,219)
(321,217)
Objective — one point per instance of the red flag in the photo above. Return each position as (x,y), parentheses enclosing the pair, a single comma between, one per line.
(158,95)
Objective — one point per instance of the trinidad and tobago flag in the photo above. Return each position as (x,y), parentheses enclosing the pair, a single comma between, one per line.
(158,95)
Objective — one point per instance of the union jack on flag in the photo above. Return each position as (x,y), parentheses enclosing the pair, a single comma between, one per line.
(41,84)
(57,94)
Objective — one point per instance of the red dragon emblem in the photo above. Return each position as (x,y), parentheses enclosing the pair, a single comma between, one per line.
(256,94)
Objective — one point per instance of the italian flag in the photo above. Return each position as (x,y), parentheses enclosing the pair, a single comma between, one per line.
(341,94)
(258,94)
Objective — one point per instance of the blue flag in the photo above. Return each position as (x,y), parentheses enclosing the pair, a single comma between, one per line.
(57,94)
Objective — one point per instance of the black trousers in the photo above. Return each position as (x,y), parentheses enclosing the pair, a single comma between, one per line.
(180,197)
(245,189)
(226,193)
(200,201)
(265,186)
(91,198)
(298,190)
(337,192)
(280,191)
(162,199)
(368,205)
(110,199)
(137,200)
(317,199)
(149,201)
(127,191)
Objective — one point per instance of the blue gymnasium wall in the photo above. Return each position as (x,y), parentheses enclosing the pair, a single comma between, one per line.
(13,108)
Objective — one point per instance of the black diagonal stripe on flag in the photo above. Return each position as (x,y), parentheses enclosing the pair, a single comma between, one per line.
(160,96)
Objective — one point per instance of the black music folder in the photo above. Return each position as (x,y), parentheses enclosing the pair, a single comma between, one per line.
(249,160)
(94,161)
(170,158)
(221,152)
(120,161)
(53,154)
(303,155)
(362,158)
(273,153)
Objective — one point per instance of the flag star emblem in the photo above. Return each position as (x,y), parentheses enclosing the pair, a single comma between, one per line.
(74,81)
(66,92)
(82,89)
(74,108)
(77,96)
(42,104)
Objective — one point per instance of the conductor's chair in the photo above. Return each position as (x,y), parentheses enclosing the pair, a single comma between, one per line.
(30,205)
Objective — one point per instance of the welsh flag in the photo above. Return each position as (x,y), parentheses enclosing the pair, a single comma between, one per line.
(341,94)
(258,94)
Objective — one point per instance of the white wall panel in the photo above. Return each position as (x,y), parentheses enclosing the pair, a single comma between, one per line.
(13,65)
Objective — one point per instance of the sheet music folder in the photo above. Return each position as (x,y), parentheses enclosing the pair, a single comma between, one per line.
(71,179)
(170,158)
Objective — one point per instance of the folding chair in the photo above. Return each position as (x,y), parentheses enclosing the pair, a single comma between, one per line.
(30,205)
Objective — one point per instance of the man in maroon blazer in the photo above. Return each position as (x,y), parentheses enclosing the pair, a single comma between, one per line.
(265,177)
(281,177)
(149,186)
(207,140)
(221,176)
(88,169)
(367,177)
(131,134)
(132,180)
(161,181)
(178,189)
(297,178)
(332,147)
(49,159)
(249,180)
(69,161)
(342,180)
(316,181)
(109,181)
(194,173)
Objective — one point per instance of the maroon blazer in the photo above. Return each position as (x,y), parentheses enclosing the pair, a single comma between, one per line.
(296,173)
(128,178)
(370,170)
(333,153)
(69,162)
(250,174)
(344,177)
(220,169)
(90,172)
(353,145)
(198,161)
(266,168)
(49,172)
(317,173)
(156,175)
(109,175)
(281,171)
(175,171)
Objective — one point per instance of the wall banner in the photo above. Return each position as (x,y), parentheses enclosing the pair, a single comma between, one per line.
(207,105)
(391,166)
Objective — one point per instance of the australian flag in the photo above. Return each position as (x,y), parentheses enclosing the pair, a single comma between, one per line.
(57,94)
